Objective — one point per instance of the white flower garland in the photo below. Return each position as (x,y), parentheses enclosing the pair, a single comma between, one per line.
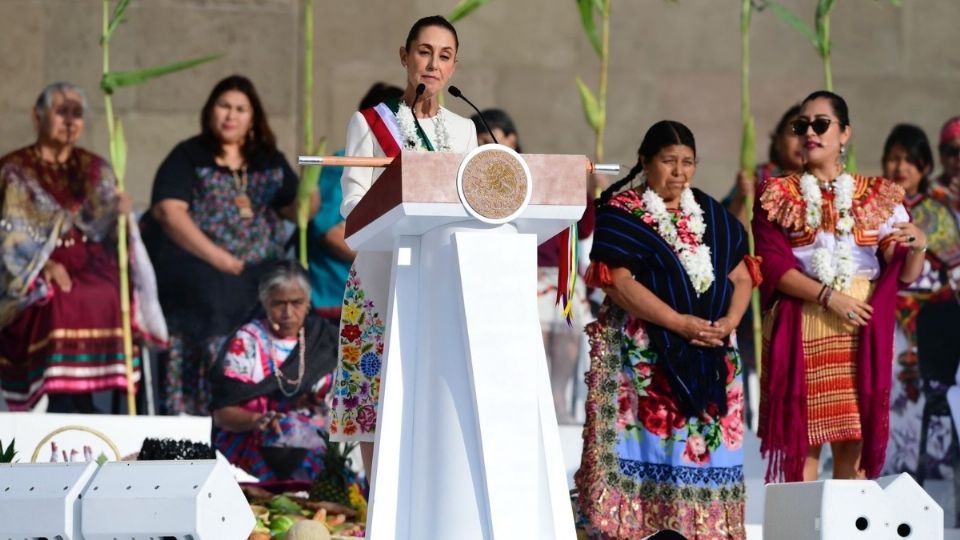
(694,257)
(834,268)
(408,127)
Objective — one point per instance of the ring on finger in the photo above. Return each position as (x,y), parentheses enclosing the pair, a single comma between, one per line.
(851,315)
(911,238)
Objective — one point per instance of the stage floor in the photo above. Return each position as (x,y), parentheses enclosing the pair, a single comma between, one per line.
(754,468)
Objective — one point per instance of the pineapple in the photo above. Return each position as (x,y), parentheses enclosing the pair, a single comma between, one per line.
(331,485)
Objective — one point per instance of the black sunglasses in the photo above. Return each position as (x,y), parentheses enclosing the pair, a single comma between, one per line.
(950,151)
(820,126)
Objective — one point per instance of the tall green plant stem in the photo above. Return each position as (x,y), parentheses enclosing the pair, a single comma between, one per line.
(303,202)
(604,76)
(748,160)
(827,69)
(121,223)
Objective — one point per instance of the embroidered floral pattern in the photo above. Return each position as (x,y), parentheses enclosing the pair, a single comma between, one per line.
(215,212)
(356,385)
(631,412)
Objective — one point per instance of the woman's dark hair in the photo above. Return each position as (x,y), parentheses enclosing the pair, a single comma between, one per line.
(915,143)
(433,20)
(497,118)
(782,126)
(837,103)
(379,93)
(260,140)
(660,135)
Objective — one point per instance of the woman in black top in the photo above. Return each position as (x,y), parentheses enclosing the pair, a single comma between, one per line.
(218,203)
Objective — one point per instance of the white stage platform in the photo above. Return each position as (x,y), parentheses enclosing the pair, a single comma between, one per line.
(754,468)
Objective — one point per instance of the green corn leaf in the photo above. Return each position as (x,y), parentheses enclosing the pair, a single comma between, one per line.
(464,8)
(598,5)
(119,151)
(116,18)
(118,79)
(7,455)
(591,109)
(795,22)
(897,3)
(824,7)
(586,8)
(309,180)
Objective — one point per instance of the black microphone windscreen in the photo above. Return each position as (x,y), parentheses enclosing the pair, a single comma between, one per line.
(454,91)
(420,88)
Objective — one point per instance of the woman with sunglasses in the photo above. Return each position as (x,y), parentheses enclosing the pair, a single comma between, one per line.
(836,248)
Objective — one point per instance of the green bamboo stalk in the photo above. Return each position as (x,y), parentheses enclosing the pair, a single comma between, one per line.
(123,258)
(825,54)
(604,76)
(311,173)
(748,160)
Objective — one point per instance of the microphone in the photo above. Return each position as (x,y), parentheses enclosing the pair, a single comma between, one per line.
(455,92)
(413,108)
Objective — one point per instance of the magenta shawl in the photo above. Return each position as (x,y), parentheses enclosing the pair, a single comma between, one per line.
(783,412)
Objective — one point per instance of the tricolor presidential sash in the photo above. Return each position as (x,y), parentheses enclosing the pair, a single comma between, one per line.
(385,126)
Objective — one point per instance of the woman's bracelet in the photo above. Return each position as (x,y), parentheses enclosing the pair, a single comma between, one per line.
(824,300)
(917,249)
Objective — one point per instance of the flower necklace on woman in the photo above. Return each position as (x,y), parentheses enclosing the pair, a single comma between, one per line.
(832,267)
(412,139)
(684,232)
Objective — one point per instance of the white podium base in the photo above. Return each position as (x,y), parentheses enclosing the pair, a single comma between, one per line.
(467,440)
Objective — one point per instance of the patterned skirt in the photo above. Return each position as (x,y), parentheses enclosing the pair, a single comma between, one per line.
(73,342)
(830,356)
(356,382)
(645,466)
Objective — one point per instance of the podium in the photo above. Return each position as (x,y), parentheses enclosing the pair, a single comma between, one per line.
(467,445)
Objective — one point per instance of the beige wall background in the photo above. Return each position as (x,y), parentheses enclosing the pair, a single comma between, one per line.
(677,60)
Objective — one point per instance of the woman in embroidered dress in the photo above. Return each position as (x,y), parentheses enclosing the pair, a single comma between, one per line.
(907,160)
(218,203)
(60,323)
(429,57)
(835,250)
(662,442)
(269,383)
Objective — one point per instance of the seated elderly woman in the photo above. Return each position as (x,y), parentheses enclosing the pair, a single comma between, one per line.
(60,322)
(270,380)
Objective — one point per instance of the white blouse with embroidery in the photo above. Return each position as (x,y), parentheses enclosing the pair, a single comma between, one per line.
(865,257)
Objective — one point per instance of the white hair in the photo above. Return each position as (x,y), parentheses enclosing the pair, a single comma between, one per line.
(45,99)
(282,274)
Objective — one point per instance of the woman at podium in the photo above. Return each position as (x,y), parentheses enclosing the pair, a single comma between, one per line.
(416,122)
(662,441)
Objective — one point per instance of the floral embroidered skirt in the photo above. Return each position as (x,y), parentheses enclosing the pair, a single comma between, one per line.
(646,467)
(356,383)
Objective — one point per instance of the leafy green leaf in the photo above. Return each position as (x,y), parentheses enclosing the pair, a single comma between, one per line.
(824,7)
(794,21)
(591,109)
(116,18)
(586,8)
(6,456)
(464,8)
(897,3)
(118,79)
(119,153)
